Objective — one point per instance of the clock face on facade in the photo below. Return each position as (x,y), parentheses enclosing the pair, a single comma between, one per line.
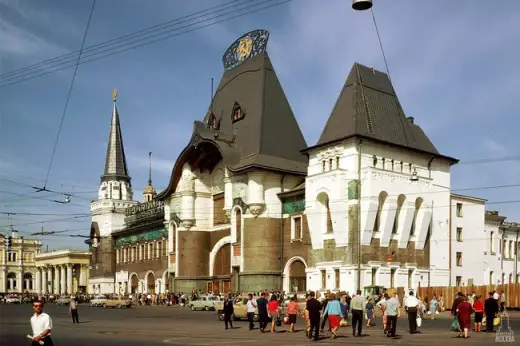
(245,47)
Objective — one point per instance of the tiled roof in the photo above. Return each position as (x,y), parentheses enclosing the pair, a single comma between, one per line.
(369,107)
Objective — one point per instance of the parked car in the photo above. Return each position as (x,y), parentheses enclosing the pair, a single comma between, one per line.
(13,300)
(239,306)
(204,303)
(98,301)
(63,301)
(117,303)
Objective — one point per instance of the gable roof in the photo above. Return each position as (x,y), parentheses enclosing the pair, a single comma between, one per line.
(268,136)
(368,107)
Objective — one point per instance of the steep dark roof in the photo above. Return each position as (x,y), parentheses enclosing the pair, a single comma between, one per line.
(368,107)
(115,161)
(268,136)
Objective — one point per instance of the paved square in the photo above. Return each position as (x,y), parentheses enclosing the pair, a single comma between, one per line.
(164,326)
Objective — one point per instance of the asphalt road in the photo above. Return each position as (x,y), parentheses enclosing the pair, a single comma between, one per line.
(152,325)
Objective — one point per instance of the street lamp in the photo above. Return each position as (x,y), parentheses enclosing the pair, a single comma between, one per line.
(361,5)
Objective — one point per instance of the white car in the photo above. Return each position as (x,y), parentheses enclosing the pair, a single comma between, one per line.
(13,300)
(98,301)
(204,303)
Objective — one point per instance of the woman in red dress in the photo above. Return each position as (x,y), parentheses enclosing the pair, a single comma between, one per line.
(464,311)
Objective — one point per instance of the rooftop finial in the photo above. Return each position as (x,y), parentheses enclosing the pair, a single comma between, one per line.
(114,95)
(150,168)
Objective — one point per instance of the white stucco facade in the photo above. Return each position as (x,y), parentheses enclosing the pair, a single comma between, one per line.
(419,210)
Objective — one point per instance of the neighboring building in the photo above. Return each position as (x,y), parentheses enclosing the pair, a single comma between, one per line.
(62,272)
(18,265)
(129,242)
(467,234)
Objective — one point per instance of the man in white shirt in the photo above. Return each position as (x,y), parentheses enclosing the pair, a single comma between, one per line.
(412,306)
(41,325)
(251,307)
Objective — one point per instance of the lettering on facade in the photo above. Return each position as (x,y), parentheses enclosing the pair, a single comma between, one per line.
(144,211)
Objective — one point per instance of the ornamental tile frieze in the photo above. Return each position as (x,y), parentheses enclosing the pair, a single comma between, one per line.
(130,239)
(294,204)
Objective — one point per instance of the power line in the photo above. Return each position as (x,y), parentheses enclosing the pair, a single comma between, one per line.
(69,94)
(43,63)
(146,41)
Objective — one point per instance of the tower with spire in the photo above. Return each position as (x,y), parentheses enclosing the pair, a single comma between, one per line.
(108,211)
(149,192)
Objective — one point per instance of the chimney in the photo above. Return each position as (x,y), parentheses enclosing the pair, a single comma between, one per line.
(411,120)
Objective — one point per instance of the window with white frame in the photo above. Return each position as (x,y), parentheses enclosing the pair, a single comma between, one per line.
(296,228)
(459,209)
(492,242)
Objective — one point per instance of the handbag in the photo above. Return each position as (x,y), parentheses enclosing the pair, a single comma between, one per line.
(419,321)
(455,326)
(278,322)
(496,321)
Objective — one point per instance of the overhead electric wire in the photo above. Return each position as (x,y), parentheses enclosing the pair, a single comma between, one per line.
(147,41)
(114,40)
(67,100)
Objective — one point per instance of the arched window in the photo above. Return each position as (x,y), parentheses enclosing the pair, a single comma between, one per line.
(238,225)
(324,165)
(323,209)
(238,113)
(212,122)
(400,201)
(330,164)
(374,161)
(337,162)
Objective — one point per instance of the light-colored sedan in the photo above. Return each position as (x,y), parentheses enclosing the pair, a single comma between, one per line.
(98,301)
(206,303)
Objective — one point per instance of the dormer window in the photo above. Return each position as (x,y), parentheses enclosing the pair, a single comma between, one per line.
(212,122)
(238,114)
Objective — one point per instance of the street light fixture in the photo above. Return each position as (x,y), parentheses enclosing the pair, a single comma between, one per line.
(361,5)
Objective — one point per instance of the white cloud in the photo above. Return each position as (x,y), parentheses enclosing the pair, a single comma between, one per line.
(21,43)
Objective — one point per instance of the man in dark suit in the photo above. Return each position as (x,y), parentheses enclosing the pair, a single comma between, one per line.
(229,310)
(314,309)
(490,309)
(263,315)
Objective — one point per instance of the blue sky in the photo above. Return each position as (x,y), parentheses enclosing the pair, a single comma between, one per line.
(455,69)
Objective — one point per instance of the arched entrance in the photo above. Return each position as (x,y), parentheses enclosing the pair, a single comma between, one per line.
(220,266)
(134,284)
(27,282)
(222,263)
(294,278)
(150,280)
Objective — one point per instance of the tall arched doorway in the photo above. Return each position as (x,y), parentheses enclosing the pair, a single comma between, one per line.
(222,265)
(11,281)
(297,282)
(150,279)
(221,270)
(27,282)
(134,284)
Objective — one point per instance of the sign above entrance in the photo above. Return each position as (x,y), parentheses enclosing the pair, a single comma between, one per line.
(245,47)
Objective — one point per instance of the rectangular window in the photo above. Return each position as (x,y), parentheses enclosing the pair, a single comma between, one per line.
(392,277)
(159,249)
(491,278)
(458,281)
(323,279)
(459,233)
(491,242)
(150,251)
(459,209)
(374,273)
(336,278)
(296,228)
(459,259)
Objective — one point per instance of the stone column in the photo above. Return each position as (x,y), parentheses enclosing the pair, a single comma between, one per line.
(63,280)
(69,279)
(83,275)
(38,284)
(228,194)
(56,288)
(44,280)
(255,192)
